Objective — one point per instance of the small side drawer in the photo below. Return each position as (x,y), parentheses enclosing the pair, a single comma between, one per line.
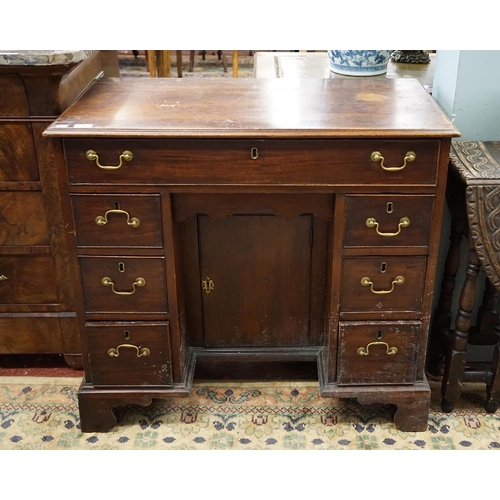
(382,284)
(117,220)
(124,285)
(27,279)
(251,162)
(387,220)
(128,354)
(377,353)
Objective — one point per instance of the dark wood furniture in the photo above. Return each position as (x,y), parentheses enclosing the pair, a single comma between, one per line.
(254,220)
(36,299)
(473,195)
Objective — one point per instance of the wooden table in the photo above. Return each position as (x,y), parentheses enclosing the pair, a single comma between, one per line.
(316,65)
(254,220)
(474,196)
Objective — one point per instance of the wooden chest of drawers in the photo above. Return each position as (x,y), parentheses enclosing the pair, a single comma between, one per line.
(37,312)
(254,220)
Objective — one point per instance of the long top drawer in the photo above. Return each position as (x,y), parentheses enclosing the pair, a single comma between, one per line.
(252,162)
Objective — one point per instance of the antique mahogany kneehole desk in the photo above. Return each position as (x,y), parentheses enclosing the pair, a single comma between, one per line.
(264,220)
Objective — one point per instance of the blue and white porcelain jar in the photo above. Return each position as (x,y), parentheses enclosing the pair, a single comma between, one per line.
(359,62)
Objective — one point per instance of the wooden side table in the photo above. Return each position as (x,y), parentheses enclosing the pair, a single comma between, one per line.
(474,198)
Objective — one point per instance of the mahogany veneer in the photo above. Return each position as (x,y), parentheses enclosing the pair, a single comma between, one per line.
(37,313)
(266,230)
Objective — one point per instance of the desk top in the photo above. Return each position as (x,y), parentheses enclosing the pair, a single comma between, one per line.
(317,65)
(309,107)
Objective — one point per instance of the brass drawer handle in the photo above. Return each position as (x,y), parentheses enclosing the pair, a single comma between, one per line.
(139,282)
(364,351)
(403,222)
(365,281)
(3,277)
(91,155)
(114,352)
(102,220)
(376,156)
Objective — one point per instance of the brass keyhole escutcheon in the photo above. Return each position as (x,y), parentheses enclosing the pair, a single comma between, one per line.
(121,267)
(254,153)
(390,207)
(207,285)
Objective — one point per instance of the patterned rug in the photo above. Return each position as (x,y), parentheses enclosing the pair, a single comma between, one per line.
(40,413)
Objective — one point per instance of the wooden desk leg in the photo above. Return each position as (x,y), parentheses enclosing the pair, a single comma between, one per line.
(151,56)
(456,358)
(439,338)
(100,413)
(163,56)
(179,62)
(235,64)
(191,61)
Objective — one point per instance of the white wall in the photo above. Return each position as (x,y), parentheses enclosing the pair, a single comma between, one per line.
(467,87)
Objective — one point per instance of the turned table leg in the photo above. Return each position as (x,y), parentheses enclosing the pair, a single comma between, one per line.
(439,338)
(455,361)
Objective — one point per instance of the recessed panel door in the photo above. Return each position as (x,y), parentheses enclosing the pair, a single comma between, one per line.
(255,280)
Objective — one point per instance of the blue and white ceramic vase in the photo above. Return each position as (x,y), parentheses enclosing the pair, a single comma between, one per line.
(359,62)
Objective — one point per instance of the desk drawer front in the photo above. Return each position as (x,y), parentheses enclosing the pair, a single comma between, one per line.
(22,219)
(124,285)
(377,353)
(382,284)
(124,354)
(257,162)
(18,160)
(388,220)
(27,279)
(117,220)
